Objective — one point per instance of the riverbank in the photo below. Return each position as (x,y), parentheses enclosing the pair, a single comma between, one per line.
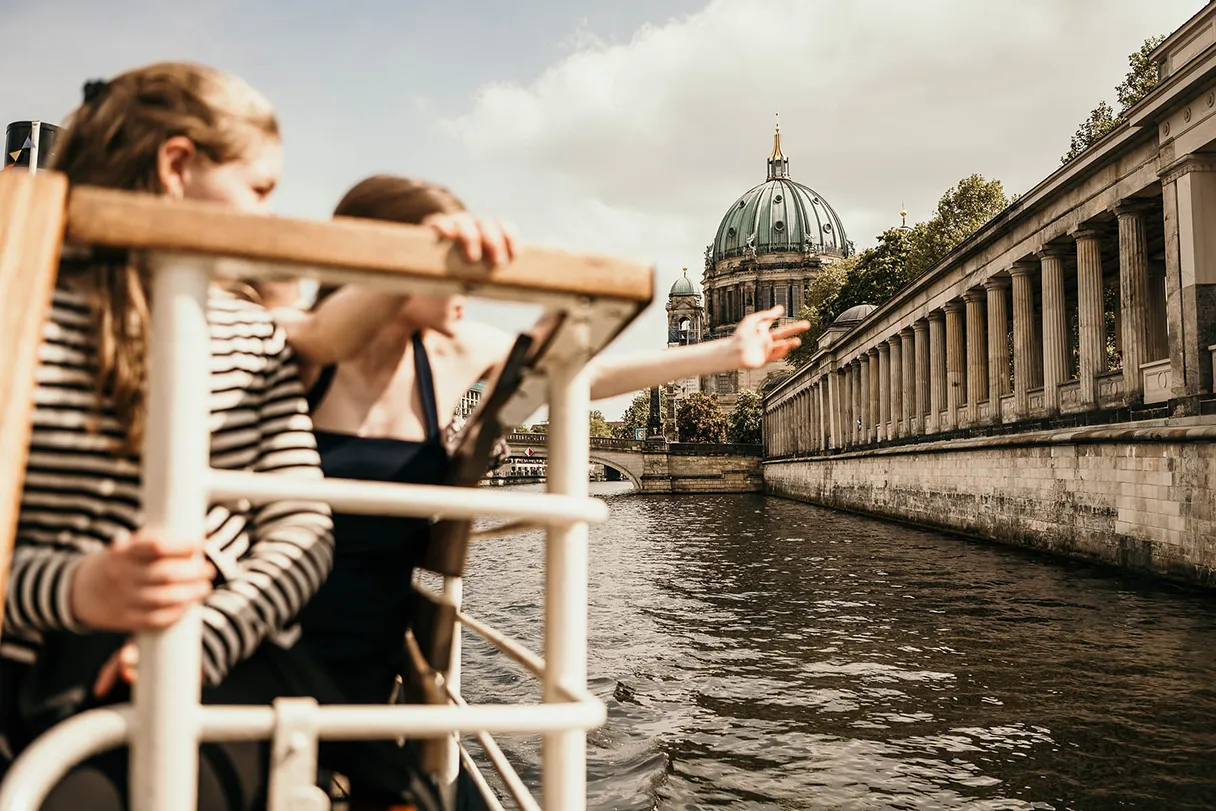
(1142,498)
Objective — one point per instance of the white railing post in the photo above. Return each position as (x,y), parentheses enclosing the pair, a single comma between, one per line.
(564,768)
(449,766)
(164,753)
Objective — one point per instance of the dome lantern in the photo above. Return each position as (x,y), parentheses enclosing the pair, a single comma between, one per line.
(778,163)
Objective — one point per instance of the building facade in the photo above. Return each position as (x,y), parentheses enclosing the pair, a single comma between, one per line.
(983,397)
(770,244)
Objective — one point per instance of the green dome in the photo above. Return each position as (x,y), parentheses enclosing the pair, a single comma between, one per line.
(684,286)
(780,216)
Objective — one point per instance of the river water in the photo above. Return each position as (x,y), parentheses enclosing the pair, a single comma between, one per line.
(758,653)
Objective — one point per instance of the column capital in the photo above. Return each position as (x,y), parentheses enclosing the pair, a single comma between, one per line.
(955,306)
(1193,162)
(1052,250)
(872,352)
(997,283)
(1087,231)
(1023,267)
(921,325)
(906,333)
(1132,206)
(884,348)
(938,315)
(975,294)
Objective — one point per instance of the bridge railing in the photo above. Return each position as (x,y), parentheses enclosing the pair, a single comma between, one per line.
(519,440)
(588,299)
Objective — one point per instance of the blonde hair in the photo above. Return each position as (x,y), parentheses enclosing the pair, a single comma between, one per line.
(113,139)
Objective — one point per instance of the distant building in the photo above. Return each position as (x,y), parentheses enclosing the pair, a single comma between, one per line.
(470,400)
(769,246)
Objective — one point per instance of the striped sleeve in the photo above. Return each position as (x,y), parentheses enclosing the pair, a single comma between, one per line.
(291,542)
(76,494)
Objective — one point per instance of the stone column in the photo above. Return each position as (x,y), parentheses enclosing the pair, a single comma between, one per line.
(1134,297)
(1055,327)
(812,412)
(1159,347)
(825,410)
(1091,314)
(846,406)
(937,371)
(956,359)
(977,354)
(895,391)
(907,351)
(921,331)
(867,414)
(872,428)
(857,422)
(1023,336)
(884,392)
(832,410)
(998,344)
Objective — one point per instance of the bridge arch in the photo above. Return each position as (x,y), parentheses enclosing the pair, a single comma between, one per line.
(632,477)
(623,456)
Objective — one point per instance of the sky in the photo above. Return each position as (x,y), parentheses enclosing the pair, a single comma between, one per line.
(626,127)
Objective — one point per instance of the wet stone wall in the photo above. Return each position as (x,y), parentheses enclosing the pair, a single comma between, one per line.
(1142,499)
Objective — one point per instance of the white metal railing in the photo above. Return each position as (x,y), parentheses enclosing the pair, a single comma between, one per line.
(165,721)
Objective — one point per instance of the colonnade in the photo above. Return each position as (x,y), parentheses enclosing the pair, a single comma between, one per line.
(966,363)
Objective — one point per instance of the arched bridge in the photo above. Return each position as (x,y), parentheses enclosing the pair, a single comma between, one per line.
(656,466)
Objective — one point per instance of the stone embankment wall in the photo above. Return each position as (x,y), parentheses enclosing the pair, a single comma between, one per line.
(1142,498)
(702,468)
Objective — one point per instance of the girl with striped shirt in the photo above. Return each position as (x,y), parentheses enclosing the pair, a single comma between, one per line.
(84,575)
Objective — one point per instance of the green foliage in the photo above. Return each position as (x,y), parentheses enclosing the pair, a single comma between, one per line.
(599,426)
(699,419)
(1101,120)
(960,213)
(540,428)
(638,414)
(1141,78)
(880,272)
(745,421)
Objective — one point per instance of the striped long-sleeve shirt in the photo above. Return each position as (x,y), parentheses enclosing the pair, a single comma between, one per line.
(79,494)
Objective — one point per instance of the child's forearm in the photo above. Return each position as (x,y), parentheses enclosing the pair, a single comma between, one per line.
(341,325)
(621,375)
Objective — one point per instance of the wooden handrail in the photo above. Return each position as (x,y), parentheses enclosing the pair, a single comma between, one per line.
(31,231)
(118,219)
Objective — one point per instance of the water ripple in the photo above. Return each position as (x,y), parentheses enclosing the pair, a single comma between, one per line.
(756,653)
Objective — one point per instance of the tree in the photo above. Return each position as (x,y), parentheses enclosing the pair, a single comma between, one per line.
(1141,78)
(879,273)
(871,277)
(1101,120)
(540,428)
(960,213)
(599,426)
(746,419)
(699,419)
(819,304)
(638,414)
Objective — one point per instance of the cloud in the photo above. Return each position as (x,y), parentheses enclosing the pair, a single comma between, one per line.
(638,148)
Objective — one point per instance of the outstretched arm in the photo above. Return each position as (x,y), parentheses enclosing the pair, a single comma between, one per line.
(343,324)
(753,344)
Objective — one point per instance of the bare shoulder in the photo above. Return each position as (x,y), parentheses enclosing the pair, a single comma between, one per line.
(480,346)
(475,333)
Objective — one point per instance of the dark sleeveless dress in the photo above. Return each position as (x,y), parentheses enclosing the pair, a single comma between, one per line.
(356,622)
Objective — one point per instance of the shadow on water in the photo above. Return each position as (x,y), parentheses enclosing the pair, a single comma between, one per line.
(757,653)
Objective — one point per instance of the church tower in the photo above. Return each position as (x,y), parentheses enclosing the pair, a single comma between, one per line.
(685,314)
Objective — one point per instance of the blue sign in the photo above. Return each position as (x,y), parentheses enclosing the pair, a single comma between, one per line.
(639,433)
